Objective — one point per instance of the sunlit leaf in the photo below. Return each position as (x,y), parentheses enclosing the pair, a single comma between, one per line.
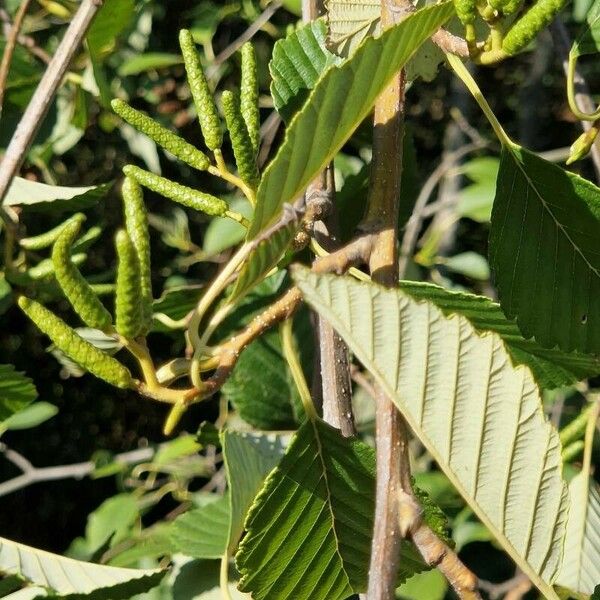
(16,391)
(479,416)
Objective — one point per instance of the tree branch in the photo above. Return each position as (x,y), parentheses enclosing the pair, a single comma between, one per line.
(31,474)
(393,467)
(44,94)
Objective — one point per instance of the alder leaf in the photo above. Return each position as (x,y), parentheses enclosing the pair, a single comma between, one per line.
(552,367)
(16,391)
(580,571)
(480,417)
(309,530)
(68,578)
(544,251)
(298,62)
(342,98)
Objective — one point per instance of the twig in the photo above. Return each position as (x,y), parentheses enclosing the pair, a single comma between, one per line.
(9,48)
(519,583)
(255,27)
(393,485)
(437,554)
(33,474)
(355,253)
(333,358)
(24,40)
(413,226)
(562,43)
(44,94)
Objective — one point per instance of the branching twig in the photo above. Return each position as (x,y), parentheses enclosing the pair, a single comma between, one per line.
(24,40)
(33,474)
(413,226)
(515,587)
(44,94)
(9,48)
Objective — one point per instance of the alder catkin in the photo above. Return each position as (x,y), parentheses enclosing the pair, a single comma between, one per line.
(524,29)
(165,138)
(206,203)
(208,115)
(76,289)
(136,223)
(249,95)
(128,309)
(466,11)
(44,240)
(243,150)
(67,340)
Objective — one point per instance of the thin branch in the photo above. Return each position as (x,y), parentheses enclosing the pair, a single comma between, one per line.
(44,94)
(9,48)
(437,554)
(515,587)
(411,233)
(254,28)
(33,474)
(355,253)
(24,40)
(393,486)
(562,43)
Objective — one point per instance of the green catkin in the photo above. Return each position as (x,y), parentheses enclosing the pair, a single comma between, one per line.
(45,240)
(208,115)
(87,239)
(249,95)
(206,203)
(466,11)
(77,290)
(162,136)
(243,149)
(128,310)
(136,223)
(524,30)
(75,347)
(506,7)
(44,270)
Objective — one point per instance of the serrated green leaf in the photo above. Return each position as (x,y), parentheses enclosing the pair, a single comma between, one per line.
(309,530)
(552,368)
(342,98)
(479,417)
(267,401)
(203,532)
(73,579)
(544,251)
(580,570)
(248,460)
(350,22)
(297,63)
(16,391)
(39,196)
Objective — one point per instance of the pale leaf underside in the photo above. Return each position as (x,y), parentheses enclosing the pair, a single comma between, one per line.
(479,416)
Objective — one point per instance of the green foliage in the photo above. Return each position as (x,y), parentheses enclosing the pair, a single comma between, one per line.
(336,107)
(297,63)
(551,367)
(413,351)
(16,392)
(63,577)
(81,296)
(75,347)
(544,226)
